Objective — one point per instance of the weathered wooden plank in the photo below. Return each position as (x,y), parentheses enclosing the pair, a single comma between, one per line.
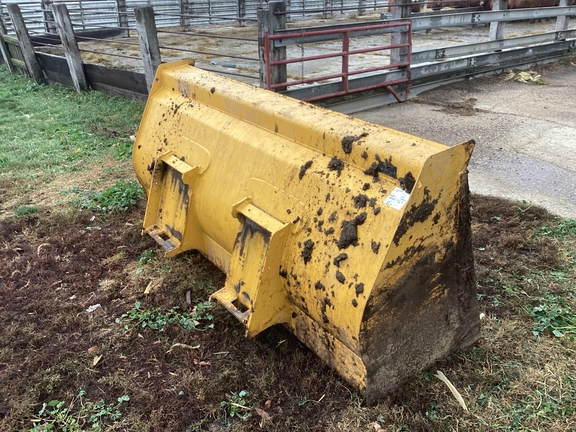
(54,39)
(241,12)
(268,22)
(18,63)
(55,69)
(11,40)
(123,17)
(55,63)
(127,84)
(4,49)
(71,51)
(49,21)
(263,30)
(184,12)
(25,43)
(116,91)
(401,9)
(148,40)
(279,74)
(361,7)
(131,81)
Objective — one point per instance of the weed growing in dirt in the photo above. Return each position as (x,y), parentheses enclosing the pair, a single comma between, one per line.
(147,257)
(117,199)
(565,228)
(156,319)
(236,405)
(123,150)
(56,415)
(554,316)
(25,211)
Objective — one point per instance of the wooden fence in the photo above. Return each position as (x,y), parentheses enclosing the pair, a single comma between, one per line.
(99,14)
(426,67)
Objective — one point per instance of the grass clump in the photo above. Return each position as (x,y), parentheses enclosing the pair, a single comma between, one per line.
(564,228)
(147,257)
(25,211)
(116,199)
(236,405)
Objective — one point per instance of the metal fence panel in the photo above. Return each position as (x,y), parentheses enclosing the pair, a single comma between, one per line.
(91,15)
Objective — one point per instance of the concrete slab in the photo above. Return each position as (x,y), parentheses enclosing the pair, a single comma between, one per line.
(525,134)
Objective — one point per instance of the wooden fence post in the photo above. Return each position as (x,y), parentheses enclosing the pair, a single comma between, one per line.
(49,23)
(4,48)
(288,5)
(241,12)
(400,9)
(263,29)
(25,42)
(562,22)
(184,11)
(497,28)
(123,16)
(148,40)
(328,9)
(71,51)
(361,7)
(268,22)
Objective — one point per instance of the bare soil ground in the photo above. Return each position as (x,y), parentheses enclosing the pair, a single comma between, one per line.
(54,265)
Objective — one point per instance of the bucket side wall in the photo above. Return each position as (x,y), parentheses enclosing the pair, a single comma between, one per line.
(424,304)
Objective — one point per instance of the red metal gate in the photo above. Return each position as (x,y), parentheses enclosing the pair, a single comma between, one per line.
(344,54)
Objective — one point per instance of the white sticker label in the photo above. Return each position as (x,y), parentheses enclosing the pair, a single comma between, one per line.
(397,198)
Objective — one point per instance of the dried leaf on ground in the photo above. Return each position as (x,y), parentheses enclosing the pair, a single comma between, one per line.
(263,414)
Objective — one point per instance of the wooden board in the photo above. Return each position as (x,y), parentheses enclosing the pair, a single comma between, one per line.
(55,68)
(126,83)
(115,91)
(54,39)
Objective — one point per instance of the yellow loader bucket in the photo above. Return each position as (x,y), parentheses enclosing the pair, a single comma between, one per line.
(354,236)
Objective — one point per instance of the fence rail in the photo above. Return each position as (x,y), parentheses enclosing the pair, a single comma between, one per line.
(345,34)
(278,48)
(91,15)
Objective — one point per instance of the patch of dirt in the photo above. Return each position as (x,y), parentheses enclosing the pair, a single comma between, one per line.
(463,108)
(53,267)
(506,245)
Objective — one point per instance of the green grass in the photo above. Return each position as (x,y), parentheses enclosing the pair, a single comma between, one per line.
(116,199)
(236,405)
(51,128)
(25,211)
